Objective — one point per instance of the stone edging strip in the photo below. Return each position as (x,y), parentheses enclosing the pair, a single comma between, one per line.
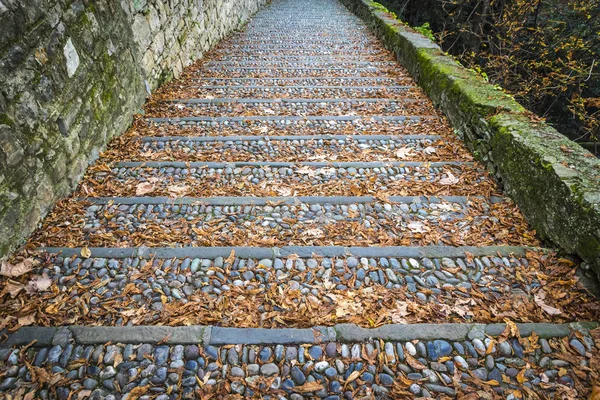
(212,335)
(555,182)
(300,251)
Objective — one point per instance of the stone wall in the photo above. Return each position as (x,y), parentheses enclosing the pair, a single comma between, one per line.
(555,182)
(73,73)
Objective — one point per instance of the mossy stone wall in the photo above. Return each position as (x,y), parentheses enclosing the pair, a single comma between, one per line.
(72,75)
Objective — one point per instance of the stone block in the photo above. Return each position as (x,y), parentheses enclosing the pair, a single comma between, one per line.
(71,58)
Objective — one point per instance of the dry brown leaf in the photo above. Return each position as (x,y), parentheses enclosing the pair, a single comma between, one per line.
(283,191)
(429,150)
(353,376)
(137,392)
(13,288)
(400,312)
(21,268)
(404,152)
(86,252)
(314,232)
(308,387)
(539,298)
(595,395)
(449,180)
(144,188)
(413,362)
(178,190)
(26,320)
(39,284)
(418,227)
(84,394)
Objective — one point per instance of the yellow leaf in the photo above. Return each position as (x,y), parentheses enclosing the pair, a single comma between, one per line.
(86,252)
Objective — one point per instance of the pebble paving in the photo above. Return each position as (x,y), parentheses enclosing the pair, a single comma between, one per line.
(301,130)
(427,369)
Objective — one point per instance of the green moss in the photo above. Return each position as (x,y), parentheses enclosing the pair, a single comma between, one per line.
(5,120)
(426,31)
(380,7)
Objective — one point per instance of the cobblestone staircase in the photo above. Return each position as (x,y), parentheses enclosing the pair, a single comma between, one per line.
(293,219)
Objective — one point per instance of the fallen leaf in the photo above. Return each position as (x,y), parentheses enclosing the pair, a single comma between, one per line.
(86,252)
(417,227)
(595,395)
(84,394)
(12,271)
(283,191)
(308,387)
(352,377)
(39,284)
(429,150)
(400,312)
(178,190)
(449,180)
(314,232)
(138,391)
(404,152)
(13,288)
(539,298)
(144,188)
(413,362)
(26,320)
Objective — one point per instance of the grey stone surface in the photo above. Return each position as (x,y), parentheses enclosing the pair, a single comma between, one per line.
(73,76)
(301,251)
(218,336)
(138,334)
(27,334)
(354,333)
(224,336)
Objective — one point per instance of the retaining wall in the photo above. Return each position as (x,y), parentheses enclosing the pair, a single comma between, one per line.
(72,75)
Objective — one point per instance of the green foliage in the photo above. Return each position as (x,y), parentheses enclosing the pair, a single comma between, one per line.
(546,53)
(381,7)
(542,52)
(426,31)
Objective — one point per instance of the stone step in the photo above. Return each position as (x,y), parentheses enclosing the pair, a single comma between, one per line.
(257,72)
(290,107)
(252,38)
(438,284)
(296,148)
(256,52)
(208,179)
(293,125)
(340,47)
(236,57)
(292,222)
(328,64)
(317,33)
(291,58)
(182,278)
(301,81)
(315,92)
(424,360)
